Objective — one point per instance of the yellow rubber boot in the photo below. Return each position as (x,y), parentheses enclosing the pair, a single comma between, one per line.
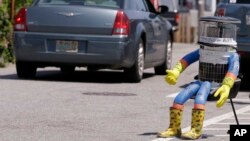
(174,128)
(196,125)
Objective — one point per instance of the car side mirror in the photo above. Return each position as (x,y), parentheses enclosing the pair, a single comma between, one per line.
(163,9)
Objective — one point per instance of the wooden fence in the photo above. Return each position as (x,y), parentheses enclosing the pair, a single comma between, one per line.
(187,30)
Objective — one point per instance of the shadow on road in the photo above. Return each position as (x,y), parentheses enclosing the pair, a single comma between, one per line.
(149,134)
(80,76)
(204,136)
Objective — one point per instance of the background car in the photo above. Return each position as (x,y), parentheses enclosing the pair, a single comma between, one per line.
(170,9)
(239,9)
(115,34)
(172,13)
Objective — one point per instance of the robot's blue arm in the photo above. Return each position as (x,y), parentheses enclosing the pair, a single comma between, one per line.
(233,66)
(190,58)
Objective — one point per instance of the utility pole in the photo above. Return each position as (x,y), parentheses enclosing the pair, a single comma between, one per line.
(201,6)
(12,10)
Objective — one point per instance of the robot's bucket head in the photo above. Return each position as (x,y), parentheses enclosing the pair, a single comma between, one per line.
(218,31)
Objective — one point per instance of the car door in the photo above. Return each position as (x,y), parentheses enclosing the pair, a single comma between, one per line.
(155,31)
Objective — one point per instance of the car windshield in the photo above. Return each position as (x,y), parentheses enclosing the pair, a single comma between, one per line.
(239,1)
(98,3)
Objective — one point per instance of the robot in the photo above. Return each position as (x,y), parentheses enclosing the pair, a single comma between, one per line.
(218,70)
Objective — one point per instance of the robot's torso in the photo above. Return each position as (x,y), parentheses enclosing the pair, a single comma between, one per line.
(213,63)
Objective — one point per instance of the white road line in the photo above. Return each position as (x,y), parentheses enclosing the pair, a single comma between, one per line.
(211,121)
(231,123)
(215,129)
(163,139)
(238,118)
(245,113)
(225,116)
(226,135)
(241,100)
(172,95)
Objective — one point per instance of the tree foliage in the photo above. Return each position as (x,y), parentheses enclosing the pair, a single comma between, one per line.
(6,42)
(22,3)
(5,36)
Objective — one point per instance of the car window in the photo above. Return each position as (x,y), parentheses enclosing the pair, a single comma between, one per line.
(239,1)
(149,5)
(99,3)
(170,4)
(140,5)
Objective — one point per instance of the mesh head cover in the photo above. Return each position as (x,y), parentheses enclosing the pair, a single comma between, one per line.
(218,31)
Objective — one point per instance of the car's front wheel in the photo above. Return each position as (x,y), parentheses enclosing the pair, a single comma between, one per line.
(161,70)
(135,73)
(25,69)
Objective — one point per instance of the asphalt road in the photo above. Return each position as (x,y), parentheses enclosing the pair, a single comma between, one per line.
(102,106)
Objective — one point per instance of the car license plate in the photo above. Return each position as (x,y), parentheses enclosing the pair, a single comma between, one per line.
(66,46)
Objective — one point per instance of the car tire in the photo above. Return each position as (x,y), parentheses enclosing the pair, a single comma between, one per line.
(25,69)
(92,68)
(161,70)
(135,73)
(67,69)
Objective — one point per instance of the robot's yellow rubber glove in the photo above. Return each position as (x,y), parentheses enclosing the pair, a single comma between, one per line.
(172,76)
(223,91)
